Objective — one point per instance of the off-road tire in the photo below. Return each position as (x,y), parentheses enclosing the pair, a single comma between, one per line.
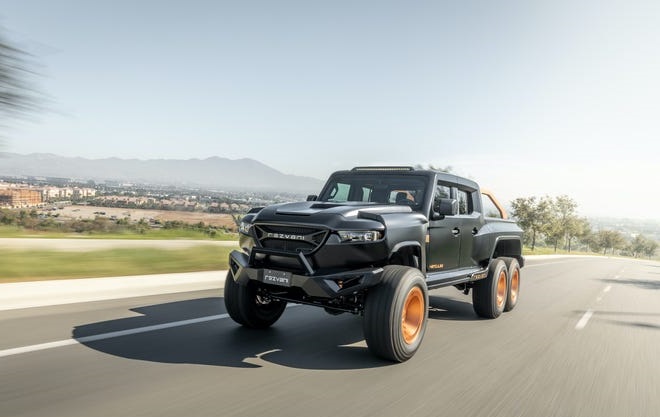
(247,308)
(396,313)
(513,284)
(489,295)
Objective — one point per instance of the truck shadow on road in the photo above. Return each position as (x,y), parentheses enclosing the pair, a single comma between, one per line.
(442,308)
(625,318)
(646,284)
(305,337)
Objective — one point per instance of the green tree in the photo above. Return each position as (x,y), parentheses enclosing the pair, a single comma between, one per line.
(554,231)
(608,240)
(7,217)
(142,226)
(534,216)
(637,245)
(650,248)
(565,212)
(562,221)
(578,229)
(641,245)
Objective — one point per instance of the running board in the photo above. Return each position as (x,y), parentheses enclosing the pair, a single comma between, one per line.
(454,277)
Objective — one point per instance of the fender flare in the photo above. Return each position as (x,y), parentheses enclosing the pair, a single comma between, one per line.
(518,256)
(409,244)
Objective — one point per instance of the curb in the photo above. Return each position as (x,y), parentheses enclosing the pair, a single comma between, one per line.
(67,291)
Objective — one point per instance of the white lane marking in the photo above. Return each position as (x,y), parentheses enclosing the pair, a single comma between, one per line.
(259,355)
(41,346)
(145,329)
(584,320)
(587,315)
(110,335)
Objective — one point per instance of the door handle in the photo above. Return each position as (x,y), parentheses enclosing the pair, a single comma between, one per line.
(455,231)
(475,231)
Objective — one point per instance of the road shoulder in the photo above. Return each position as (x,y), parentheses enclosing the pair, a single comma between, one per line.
(46,293)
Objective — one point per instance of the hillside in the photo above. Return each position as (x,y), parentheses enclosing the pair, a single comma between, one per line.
(214,172)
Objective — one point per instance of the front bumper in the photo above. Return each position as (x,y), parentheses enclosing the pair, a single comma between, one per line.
(312,285)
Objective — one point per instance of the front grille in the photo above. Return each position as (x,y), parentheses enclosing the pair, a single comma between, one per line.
(291,239)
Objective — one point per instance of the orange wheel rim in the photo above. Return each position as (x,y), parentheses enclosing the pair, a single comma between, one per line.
(501,289)
(515,285)
(412,316)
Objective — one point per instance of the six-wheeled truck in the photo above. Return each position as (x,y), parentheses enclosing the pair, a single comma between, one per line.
(373,243)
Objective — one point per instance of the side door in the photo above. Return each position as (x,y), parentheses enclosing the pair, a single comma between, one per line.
(469,222)
(444,240)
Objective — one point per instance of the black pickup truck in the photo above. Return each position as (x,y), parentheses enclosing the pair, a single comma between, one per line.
(373,243)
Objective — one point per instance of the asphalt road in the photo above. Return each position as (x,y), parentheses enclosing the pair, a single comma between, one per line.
(584,340)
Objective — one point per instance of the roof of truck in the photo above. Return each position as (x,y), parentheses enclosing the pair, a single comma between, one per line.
(400,169)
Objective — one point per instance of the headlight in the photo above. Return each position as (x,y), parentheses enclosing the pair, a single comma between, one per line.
(360,236)
(244,228)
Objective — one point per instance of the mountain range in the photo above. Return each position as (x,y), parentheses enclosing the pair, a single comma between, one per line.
(214,172)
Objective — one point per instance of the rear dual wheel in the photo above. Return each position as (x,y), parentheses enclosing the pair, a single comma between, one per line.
(499,291)
(513,270)
(489,295)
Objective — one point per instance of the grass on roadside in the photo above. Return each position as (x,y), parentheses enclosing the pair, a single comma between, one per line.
(45,265)
(31,265)
(150,234)
(539,250)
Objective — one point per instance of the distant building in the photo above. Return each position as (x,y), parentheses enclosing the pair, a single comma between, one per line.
(59,193)
(56,193)
(80,193)
(19,197)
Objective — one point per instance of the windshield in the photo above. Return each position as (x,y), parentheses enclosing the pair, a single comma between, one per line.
(382,189)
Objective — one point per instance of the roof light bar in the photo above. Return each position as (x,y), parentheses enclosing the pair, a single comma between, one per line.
(383,168)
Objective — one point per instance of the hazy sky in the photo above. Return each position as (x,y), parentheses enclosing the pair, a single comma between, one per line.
(526,97)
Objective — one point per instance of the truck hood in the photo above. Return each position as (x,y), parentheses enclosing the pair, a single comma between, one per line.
(329,214)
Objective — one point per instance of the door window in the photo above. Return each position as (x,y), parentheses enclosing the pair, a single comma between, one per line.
(464,206)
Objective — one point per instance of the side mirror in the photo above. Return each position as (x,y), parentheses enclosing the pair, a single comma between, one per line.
(312,197)
(444,207)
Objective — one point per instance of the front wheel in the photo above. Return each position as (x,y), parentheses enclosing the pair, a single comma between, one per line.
(489,295)
(246,305)
(395,313)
